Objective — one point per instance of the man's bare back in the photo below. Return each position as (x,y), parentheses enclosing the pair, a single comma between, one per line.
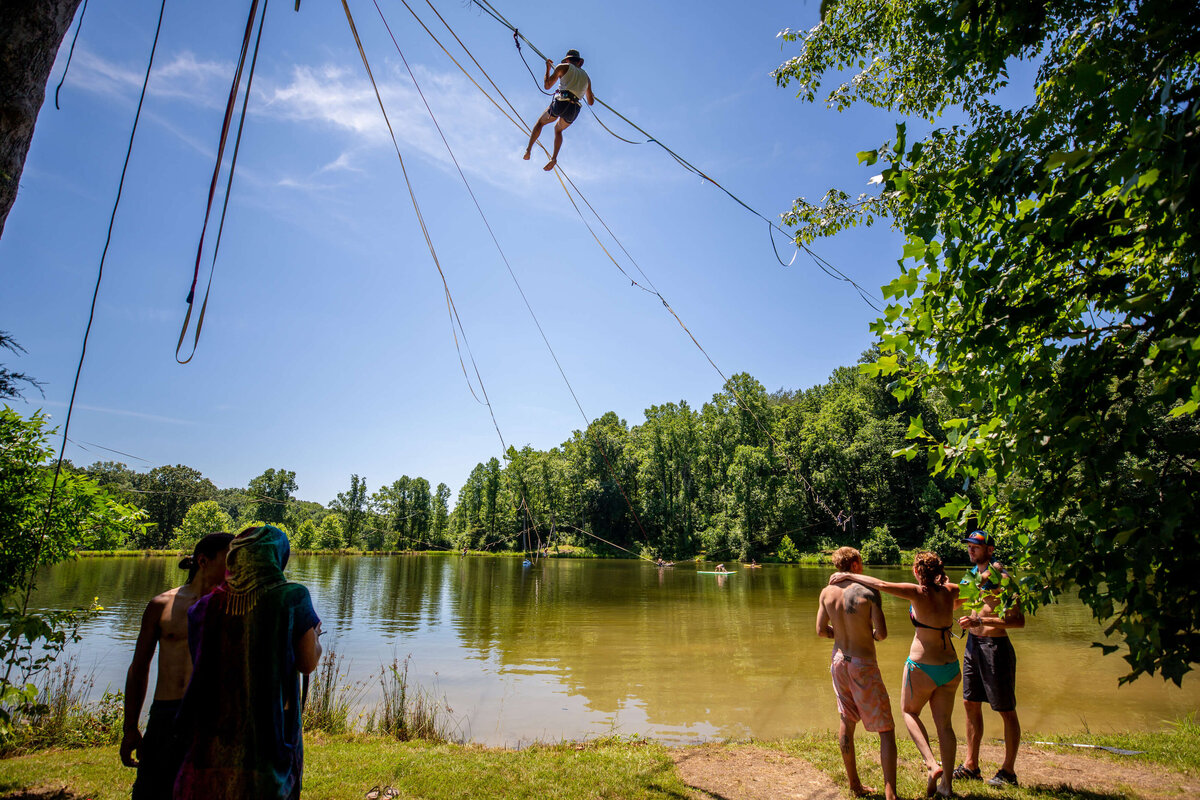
(853,618)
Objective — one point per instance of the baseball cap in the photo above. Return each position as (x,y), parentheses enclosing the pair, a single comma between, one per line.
(979,537)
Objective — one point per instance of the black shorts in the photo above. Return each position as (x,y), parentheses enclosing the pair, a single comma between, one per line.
(160,754)
(990,672)
(566,110)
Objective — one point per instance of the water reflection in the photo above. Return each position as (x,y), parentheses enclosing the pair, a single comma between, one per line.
(565,649)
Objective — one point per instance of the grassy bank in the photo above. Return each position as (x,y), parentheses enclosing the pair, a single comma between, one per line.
(344,767)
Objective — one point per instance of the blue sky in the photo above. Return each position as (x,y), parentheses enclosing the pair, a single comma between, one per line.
(327,349)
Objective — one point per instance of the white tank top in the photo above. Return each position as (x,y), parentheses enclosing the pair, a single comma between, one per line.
(575,81)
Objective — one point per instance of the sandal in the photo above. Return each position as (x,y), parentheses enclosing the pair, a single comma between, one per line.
(1003,778)
(963,773)
(374,793)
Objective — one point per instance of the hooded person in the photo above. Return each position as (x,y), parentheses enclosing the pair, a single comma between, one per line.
(251,638)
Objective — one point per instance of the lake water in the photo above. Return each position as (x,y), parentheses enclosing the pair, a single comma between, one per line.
(568,649)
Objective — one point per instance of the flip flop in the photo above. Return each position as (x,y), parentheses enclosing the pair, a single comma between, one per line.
(374,793)
(390,792)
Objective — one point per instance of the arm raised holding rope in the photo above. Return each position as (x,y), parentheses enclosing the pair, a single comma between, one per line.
(574,85)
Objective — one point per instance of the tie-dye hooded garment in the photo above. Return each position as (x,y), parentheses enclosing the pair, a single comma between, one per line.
(241,712)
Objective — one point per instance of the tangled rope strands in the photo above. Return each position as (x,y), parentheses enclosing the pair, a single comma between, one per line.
(230,104)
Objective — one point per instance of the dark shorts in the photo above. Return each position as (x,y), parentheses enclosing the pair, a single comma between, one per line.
(566,110)
(160,753)
(990,672)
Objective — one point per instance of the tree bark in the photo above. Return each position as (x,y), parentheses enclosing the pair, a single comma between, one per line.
(31,32)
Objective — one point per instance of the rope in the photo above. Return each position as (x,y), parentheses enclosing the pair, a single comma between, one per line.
(564,181)
(824,265)
(70,54)
(212,187)
(237,144)
(91,316)
(540,84)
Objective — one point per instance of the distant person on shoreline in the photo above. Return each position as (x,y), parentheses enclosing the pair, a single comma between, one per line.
(931,673)
(574,85)
(853,617)
(165,626)
(251,640)
(989,663)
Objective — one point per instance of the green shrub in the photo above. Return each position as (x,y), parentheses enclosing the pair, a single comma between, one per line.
(787,552)
(881,548)
(946,544)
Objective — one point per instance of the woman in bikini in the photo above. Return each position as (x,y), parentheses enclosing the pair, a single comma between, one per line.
(931,673)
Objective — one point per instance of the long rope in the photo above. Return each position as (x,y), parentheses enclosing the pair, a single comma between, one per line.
(462,175)
(212,186)
(237,145)
(70,54)
(91,317)
(564,181)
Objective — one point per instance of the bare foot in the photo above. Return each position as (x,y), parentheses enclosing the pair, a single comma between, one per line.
(861,791)
(935,773)
(526,156)
(550,164)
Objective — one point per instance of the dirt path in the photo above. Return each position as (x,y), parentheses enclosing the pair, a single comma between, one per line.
(753,772)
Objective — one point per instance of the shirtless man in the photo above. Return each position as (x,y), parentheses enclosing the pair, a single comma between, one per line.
(852,616)
(165,623)
(573,85)
(989,663)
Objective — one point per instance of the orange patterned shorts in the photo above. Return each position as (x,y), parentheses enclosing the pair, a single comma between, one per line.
(861,695)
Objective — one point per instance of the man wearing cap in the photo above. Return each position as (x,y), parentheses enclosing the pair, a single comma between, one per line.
(989,663)
(574,85)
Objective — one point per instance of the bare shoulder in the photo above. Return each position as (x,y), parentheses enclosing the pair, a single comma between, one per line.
(161,601)
(857,593)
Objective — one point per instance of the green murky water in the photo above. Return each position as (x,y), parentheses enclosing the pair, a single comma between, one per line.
(567,649)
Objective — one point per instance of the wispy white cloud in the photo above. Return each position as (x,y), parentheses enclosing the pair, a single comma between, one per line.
(121,412)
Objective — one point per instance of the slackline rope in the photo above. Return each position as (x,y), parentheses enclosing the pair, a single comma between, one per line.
(212,187)
(561,175)
(824,265)
(91,317)
(70,53)
(524,500)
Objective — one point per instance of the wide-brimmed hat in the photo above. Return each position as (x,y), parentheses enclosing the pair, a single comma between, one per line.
(573,54)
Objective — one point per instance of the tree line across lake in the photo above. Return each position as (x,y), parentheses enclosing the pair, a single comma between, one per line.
(752,474)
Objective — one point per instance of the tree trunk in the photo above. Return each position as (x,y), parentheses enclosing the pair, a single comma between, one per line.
(31,32)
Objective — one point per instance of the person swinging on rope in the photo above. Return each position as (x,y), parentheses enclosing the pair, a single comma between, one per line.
(574,85)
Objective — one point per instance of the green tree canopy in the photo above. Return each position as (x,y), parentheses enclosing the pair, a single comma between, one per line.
(270,493)
(1048,284)
(203,518)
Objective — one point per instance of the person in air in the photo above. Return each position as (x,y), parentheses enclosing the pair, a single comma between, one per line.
(574,86)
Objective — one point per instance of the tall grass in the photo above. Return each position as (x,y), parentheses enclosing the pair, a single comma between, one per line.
(411,712)
(62,717)
(330,697)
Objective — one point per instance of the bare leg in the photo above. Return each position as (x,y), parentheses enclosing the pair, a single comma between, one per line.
(974,733)
(887,760)
(542,122)
(561,126)
(941,704)
(846,745)
(1012,738)
(918,687)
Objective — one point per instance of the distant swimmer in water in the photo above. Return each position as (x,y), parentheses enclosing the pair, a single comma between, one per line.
(574,85)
